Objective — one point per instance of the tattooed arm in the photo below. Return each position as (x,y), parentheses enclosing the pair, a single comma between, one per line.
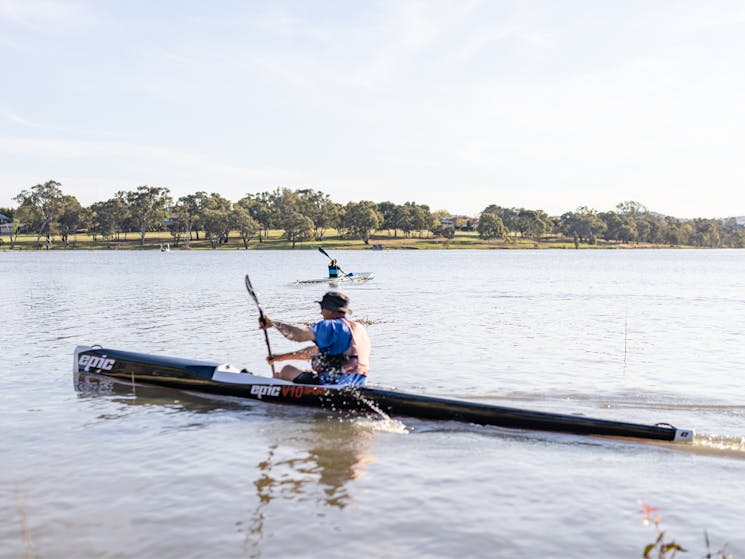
(289,331)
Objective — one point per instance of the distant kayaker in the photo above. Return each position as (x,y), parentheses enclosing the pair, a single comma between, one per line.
(341,350)
(333,269)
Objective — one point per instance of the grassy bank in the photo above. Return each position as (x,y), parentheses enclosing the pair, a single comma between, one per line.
(275,241)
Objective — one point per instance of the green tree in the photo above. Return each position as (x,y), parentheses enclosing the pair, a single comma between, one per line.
(319,207)
(736,238)
(491,226)
(121,214)
(419,218)
(651,228)
(176,223)
(186,216)
(448,232)
(216,218)
(678,232)
(40,206)
(584,225)
(99,224)
(631,208)
(109,218)
(391,216)
(619,227)
(286,204)
(672,233)
(507,215)
(148,208)
(706,233)
(262,209)
(407,219)
(246,225)
(216,225)
(70,219)
(438,229)
(297,227)
(361,218)
(532,223)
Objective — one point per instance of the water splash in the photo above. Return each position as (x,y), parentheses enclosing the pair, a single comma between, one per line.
(382,425)
(720,445)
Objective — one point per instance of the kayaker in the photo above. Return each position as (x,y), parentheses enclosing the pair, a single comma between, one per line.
(341,350)
(333,269)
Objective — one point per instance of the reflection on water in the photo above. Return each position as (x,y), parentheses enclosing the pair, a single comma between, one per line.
(333,450)
(316,464)
(163,400)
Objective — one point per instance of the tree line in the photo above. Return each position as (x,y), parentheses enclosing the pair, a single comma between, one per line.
(306,214)
(631,222)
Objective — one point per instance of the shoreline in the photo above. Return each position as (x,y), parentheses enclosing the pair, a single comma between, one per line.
(463,240)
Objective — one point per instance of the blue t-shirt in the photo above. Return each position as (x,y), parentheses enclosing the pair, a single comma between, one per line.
(332,336)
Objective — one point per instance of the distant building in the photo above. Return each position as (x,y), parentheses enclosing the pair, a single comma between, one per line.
(6,225)
(740,222)
(462,222)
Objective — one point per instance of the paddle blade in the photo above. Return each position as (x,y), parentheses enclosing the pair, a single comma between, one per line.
(327,256)
(251,292)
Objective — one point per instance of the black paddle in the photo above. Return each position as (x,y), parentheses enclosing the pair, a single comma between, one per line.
(252,293)
(327,256)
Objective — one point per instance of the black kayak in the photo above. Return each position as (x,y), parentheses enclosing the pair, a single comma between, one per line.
(226,380)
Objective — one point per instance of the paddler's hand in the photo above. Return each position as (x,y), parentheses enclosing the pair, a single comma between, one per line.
(265,322)
(271,359)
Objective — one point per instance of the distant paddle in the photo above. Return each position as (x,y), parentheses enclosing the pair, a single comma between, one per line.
(327,256)
(252,293)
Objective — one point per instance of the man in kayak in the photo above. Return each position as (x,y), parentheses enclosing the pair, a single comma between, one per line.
(341,350)
(333,269)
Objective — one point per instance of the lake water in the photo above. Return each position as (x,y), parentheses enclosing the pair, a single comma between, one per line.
(645,336)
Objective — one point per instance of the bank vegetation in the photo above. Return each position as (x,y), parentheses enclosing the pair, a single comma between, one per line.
(148,217)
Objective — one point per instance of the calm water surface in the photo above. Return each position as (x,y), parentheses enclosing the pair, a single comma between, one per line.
(647,336)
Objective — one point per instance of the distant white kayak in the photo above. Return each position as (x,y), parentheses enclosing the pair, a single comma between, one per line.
(351,276)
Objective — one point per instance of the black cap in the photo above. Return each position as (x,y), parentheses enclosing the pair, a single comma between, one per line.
(335,301)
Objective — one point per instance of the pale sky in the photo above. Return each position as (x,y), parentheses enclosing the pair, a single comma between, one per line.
(544,104)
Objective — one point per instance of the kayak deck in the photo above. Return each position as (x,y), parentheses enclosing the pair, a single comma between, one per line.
(351,276)
(226,380)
